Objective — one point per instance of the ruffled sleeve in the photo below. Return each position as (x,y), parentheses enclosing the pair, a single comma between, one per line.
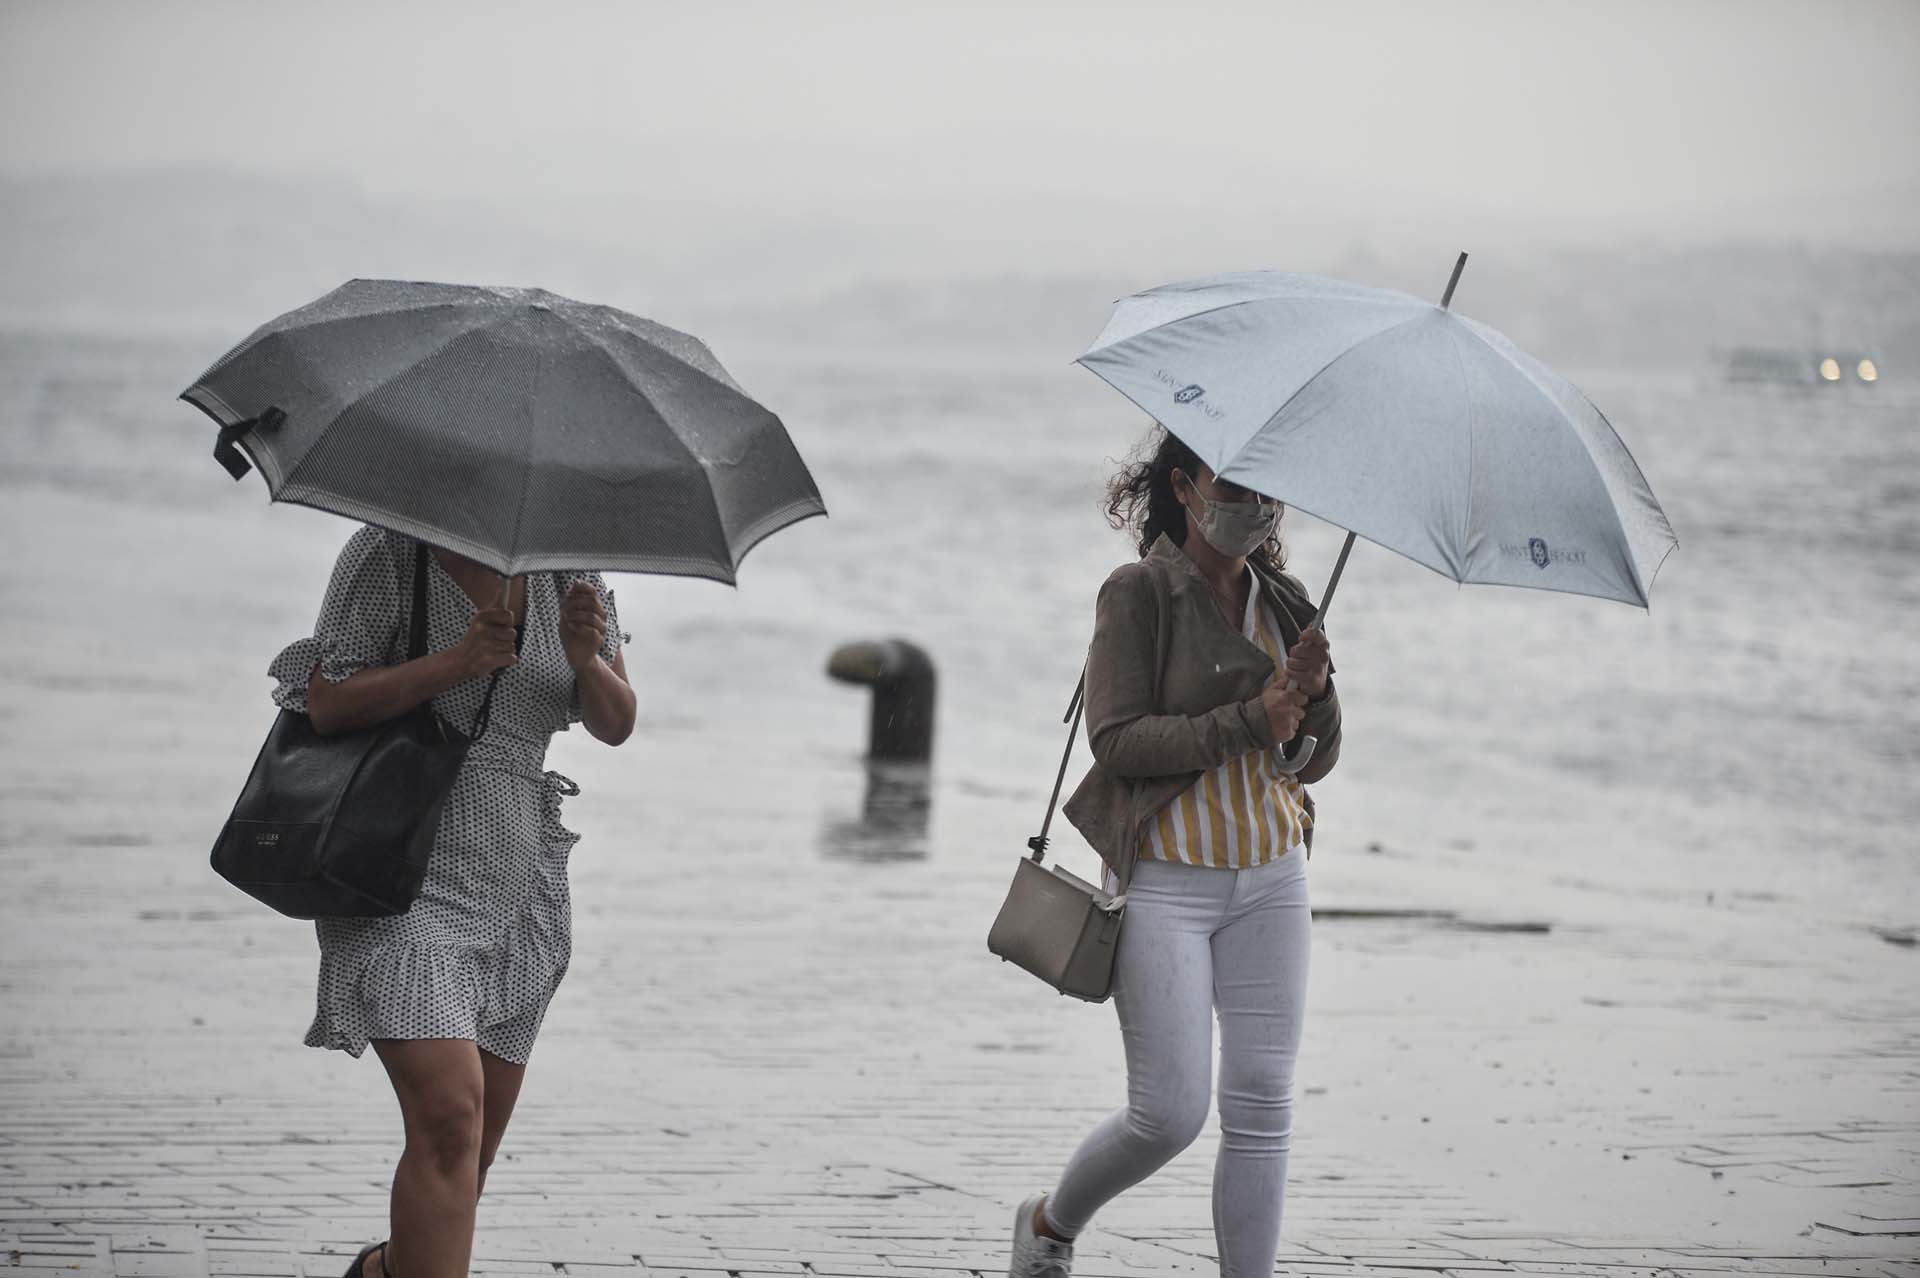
(359,620)
(615,637)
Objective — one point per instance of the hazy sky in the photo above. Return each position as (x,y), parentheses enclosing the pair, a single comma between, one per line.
(1032,131)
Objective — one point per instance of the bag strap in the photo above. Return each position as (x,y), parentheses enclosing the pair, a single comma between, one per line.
(1074,708)
(1072,717)
(417,640)
(417,620)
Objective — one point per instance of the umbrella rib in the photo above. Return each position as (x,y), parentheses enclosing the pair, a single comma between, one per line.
(1227,306)
(376,388)
(618,319)
(612,357)
(1470,581)
(1473,450)
(772,522)
(614,354)
(276,328)
(526,461)
(1599,472)
(1673,542)
(632,383)
(1318,374)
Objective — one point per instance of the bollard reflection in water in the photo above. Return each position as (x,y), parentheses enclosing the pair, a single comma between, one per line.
(893,820)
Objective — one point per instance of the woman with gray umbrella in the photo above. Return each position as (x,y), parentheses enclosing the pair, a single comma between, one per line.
(451,993)
(503,446)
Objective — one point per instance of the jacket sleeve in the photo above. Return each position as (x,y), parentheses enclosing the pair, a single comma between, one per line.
(1127,738)
(1322,720)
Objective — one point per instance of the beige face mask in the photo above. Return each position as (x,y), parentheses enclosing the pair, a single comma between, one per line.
(1236,528)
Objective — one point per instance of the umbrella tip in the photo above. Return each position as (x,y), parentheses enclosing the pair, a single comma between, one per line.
(1458,266)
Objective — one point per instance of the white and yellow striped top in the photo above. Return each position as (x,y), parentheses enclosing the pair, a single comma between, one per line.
(1245,812)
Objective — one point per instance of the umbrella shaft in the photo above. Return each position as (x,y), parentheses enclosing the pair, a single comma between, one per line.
(1333,582)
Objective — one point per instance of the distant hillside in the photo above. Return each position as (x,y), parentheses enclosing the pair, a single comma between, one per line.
(1586,310)
(217,251)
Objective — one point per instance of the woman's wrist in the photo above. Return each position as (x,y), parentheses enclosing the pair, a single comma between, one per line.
(447,667)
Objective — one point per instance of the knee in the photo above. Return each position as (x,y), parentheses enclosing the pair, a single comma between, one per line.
(1168,1124)
(445,1127)
(1256,1100)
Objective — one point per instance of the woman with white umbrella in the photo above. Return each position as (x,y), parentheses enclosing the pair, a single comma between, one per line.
(1192,786)
(1403,422)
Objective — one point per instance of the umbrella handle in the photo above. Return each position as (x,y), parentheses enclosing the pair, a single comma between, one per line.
(1292,767)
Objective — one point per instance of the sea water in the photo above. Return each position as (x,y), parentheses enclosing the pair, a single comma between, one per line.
(1754,733)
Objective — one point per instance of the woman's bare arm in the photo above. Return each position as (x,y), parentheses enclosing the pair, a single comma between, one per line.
(607,704)
(379,693)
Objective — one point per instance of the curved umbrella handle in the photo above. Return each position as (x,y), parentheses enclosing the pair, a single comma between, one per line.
(1292,766)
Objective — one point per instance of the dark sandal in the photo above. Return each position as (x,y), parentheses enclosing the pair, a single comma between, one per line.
(358,1269)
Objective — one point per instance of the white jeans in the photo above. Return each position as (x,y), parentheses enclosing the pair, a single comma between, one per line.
(1197,939)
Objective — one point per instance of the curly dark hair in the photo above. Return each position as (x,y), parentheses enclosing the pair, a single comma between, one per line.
(1140,497)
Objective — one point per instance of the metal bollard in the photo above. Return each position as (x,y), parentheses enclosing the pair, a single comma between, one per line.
(902,677)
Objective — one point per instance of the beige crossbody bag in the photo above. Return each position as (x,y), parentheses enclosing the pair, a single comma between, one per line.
(1063,929)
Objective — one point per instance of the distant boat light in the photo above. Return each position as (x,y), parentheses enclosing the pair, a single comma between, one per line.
(1830,369)
(1867,372)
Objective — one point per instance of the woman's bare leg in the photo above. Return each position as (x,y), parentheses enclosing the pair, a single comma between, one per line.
(503,1079)
(441,1086)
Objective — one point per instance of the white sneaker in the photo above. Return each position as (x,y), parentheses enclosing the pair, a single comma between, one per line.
(1036,1255)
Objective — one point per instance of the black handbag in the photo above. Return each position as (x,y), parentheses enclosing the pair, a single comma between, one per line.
(343,825)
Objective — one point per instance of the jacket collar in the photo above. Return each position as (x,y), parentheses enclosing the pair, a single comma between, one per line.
(1285,597)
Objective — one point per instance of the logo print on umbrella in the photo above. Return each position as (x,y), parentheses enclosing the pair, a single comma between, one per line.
(1538,550)
(1188,393)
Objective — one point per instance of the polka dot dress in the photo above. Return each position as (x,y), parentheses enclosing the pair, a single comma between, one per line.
(482,950)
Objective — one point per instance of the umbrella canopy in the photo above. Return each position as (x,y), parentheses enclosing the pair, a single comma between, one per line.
(1406,423)
(521,429)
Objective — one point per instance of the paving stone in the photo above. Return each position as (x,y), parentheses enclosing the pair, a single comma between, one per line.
(831,1077)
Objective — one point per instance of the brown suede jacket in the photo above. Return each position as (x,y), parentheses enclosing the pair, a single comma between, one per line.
(1158,614)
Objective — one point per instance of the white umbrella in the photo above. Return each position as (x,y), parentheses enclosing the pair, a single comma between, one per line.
(1399,420)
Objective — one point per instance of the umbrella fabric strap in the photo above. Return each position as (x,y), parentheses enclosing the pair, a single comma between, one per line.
(231,457)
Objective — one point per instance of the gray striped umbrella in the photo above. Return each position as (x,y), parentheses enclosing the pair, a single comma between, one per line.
(521,429)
